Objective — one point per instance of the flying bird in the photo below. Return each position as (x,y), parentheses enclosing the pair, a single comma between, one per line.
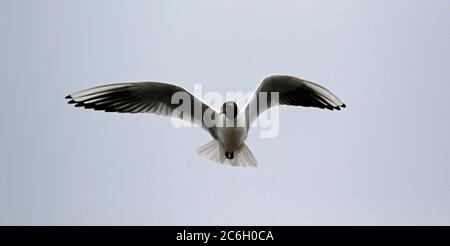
(228,144)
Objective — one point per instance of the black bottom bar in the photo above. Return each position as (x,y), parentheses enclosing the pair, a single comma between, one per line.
(204,235)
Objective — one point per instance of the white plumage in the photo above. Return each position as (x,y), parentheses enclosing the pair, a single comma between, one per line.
(227,146)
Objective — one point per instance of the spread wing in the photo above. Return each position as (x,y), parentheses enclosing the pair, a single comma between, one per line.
(291,91)
(144,97)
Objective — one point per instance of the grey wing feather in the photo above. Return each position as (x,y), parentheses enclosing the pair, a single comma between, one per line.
(141,97)
(292,91)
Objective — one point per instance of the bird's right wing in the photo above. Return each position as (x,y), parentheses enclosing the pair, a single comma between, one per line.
(146,97)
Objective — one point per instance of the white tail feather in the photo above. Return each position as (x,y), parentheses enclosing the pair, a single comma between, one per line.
(214,151)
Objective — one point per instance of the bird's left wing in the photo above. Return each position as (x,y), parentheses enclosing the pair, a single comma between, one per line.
(144,97)
(291,91)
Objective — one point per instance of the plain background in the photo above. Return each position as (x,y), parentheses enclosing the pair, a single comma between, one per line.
(383,161)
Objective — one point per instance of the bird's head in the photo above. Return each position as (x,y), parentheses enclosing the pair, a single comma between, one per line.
(230,109)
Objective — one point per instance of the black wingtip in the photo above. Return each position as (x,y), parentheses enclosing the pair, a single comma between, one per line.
(68,97)
(72,102)
(343,105)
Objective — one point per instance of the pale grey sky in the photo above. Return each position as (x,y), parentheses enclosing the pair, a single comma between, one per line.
(383,161)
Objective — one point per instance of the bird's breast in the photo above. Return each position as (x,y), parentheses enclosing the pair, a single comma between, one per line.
(232,135)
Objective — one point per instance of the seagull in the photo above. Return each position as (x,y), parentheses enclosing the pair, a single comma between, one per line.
(228,145)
